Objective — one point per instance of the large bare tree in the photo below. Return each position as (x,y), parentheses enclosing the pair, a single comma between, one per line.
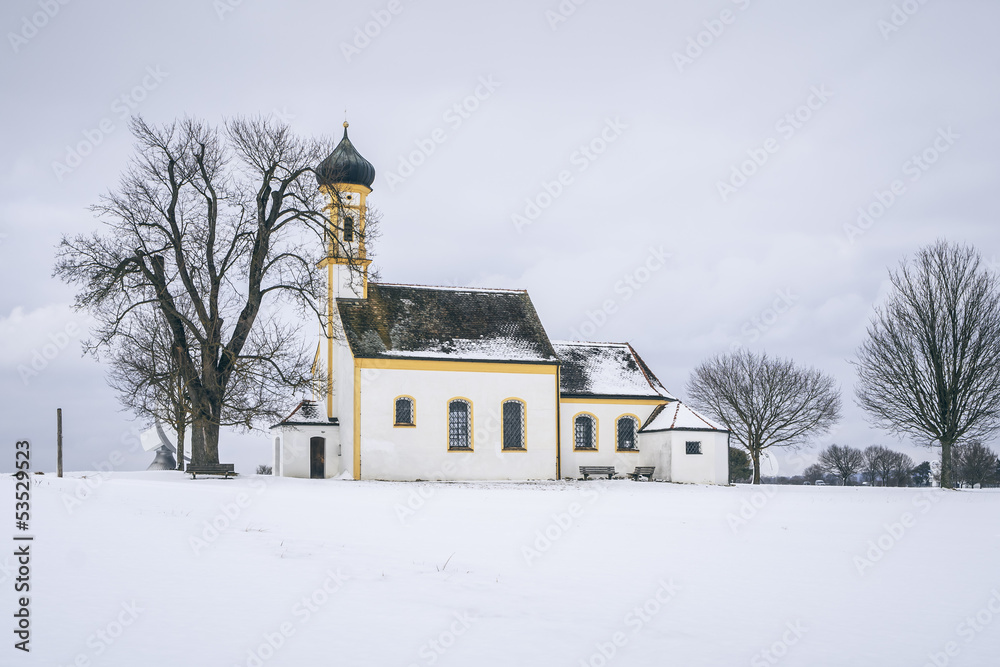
(217,229)
(842,461)
(930,367)
(765,401)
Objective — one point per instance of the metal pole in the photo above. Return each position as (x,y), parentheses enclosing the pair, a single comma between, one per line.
(59,442)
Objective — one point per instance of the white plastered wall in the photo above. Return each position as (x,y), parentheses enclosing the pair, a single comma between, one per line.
(294,449)
(607,414)
(421,452)
(343,387)
(709,467)
(655,450)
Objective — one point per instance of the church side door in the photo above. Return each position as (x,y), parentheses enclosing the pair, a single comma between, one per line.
(317,452)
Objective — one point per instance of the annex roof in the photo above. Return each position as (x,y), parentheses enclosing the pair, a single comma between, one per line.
(678,417)
(605,370)
(447,323)
(306,413)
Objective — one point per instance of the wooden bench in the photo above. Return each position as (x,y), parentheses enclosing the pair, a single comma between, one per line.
(642,471)
(215,470)
(587,471)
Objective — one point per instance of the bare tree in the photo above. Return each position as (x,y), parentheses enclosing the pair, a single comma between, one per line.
(876,464)
(216,229)
(884,465)
(764,401)
(842,461)
(974,463)
(899,469)
(930,368)
(144,370)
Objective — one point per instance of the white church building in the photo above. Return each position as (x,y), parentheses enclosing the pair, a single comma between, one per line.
(456,383)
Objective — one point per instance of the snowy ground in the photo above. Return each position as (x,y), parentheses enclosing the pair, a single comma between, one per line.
(128,570)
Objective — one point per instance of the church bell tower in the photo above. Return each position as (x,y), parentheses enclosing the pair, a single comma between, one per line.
(345,178)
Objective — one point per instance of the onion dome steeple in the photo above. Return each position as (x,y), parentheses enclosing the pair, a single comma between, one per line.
(345,165)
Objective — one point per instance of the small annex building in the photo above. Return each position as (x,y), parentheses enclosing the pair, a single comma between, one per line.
(457,383)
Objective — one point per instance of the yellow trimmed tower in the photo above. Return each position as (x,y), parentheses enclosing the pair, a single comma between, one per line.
(345,178)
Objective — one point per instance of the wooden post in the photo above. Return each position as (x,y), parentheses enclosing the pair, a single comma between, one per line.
(59,442)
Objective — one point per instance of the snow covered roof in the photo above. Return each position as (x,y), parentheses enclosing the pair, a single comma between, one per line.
(455,323)
(678,417)
(306,413)
(605,369)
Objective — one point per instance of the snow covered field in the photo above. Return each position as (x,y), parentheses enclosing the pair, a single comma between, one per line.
(153,569)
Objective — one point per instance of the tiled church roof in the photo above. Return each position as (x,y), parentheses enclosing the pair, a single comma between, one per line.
(606,369)
(453,323)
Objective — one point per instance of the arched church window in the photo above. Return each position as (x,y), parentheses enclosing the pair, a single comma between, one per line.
(405,414)
(513,424)
(627,434)
(585,431)
(459,424)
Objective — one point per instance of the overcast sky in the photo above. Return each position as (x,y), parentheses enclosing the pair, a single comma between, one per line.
(738,137)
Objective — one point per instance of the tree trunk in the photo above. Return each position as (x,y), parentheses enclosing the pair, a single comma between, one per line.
(205,443)
(197,443)
(180,447)
(946,464)
(205,414)
(180,413)
(755,455)
(212,442)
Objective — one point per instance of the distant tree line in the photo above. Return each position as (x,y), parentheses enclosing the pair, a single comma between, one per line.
(973,464)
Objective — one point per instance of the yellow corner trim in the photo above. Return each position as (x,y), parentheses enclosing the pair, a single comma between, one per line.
(357,420)
(558,427)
